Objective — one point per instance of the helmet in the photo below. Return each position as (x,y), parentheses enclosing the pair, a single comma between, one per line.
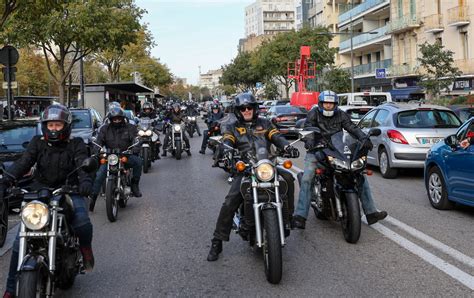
(56,112)
(327,96)
(149,106)
(176,106)
(114,104)
(215,107)
(245,100)
(116,112)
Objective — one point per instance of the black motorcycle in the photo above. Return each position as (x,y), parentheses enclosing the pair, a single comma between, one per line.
(191,126)
(148,139)
(338,182)
(263,218)
(49,255)
(176,144)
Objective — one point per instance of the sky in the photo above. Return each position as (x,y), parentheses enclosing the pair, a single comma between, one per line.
(193,33)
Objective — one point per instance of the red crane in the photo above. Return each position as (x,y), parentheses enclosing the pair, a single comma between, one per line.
(301,70)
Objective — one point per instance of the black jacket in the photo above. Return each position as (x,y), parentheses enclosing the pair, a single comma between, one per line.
(214,118)
(238,134)
(53,163)
(175,117)
(120,137)
(331,125)
(151,115)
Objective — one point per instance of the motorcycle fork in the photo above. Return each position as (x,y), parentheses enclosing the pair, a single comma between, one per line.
(337,198)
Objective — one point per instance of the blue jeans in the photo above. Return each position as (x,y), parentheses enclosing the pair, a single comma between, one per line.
(134,162)
(82,227)
(310,165)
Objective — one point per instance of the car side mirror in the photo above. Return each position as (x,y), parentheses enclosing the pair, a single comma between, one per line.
(375,132)
(90,165)
(451,141)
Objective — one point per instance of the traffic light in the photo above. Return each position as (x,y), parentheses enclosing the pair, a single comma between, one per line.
(12,74)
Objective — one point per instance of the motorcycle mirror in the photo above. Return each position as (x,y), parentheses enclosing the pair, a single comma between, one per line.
(305,133)
(216,139)
(90,165)
(375,132)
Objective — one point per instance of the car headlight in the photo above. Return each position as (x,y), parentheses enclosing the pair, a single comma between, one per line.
(148,132)
(357,164)
(35,215)
(177,128)
(265,172)
(141,133)
(339,164)
(112,159)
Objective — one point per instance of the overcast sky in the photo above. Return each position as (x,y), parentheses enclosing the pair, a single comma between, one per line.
(193,33)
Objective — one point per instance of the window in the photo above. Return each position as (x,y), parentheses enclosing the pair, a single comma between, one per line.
(380,118)
(369,58)
(400,8)
(365,123)
(427,118)
(377,56)
(412,8)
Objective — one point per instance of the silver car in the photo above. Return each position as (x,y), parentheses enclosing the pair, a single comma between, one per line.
(356,112)
(408,131)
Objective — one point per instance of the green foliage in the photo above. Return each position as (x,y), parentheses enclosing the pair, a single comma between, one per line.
(229,89)
(458,100)
(7,7)
(337,79)
(437,68)
(241,73)
(271,90)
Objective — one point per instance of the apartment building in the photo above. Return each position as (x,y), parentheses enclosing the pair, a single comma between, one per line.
(210,79)
(268,17)
(414,22)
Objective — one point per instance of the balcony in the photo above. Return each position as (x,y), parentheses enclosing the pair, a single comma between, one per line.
(434,23)
(362,39)
(365,7)
(466,66)
(458,16)
(405,23)
(405,69)
(369,69)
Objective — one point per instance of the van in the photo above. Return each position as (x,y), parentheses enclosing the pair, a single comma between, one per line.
(364,98)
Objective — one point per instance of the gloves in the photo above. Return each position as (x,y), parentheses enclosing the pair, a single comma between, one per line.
(85,188)
(368,145)
(309,144)
(291,151)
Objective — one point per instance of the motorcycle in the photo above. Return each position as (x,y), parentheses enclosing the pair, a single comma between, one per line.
(214,131)
(191,126)
(149,142)
(177,144)
(49,255)
(338,182)
(263,218)
(118,182)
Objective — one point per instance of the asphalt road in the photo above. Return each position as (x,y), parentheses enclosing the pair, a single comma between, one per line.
(159,244)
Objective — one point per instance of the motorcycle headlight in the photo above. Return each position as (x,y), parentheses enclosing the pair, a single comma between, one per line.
(339,164)
(35,215)
(112,159)
(265,172)
(193,118)
(148,133)
(177,128)
(141,133)
(357,164)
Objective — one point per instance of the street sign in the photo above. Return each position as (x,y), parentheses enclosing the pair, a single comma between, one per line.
(258,85)
(380,73)
(9,55)
(14,85)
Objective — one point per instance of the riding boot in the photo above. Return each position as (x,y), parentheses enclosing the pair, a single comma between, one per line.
(135,188)
(92,200)
(216,249)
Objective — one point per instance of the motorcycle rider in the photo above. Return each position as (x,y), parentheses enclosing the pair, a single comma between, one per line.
(330,120)
(176,117)
(55,155)
(148,112)
(216,114)
(117,134)
(246,111)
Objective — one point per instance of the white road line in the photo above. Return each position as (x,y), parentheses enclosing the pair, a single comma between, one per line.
(9,240)
(433,242)
(453,271)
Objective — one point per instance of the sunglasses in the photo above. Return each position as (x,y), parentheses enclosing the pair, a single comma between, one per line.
(245,108)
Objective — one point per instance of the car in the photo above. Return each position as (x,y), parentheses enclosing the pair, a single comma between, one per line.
(356,112)
(408,132)
(364,98)
(85,123)
(464,112)
(448,172)
(284,117)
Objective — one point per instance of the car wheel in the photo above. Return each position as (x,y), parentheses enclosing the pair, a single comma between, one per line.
(436,190)
(384,163)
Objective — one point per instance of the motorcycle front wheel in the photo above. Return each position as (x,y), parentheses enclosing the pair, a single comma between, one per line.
(3,221)
(32,284)
(350,221)
(178,151)
(146,160)
(272,254)
(110,200)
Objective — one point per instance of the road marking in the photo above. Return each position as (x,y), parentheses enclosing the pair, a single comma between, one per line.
(433,242)
(9,240)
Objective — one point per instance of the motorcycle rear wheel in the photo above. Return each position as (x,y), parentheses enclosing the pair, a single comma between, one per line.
(351,223)
(32,284)
(272,254)
(3,221)
(110,200)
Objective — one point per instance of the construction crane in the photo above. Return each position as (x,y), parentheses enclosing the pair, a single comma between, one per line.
(301,70)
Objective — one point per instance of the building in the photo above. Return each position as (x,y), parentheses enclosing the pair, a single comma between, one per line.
(268,17)
(301,17)
(414,22)
(210,79)
(252,42)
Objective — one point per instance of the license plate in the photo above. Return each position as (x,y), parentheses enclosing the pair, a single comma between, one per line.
(429,141)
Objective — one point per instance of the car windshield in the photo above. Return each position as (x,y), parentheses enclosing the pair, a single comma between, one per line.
(81,119)
(371,100)
(466,114)
(289,110)
(11,140)
(357,114)
(427,118)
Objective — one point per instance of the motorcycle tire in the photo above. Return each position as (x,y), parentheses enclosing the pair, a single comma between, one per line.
(351,223)
(272,254)
(110,200)
(146,160)
(191,132)
(32,284)
(178,151)
(3,221)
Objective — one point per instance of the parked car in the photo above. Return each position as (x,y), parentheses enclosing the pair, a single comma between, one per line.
(285,117)
(464,112)
(356,112)
(408,131)
(449,174)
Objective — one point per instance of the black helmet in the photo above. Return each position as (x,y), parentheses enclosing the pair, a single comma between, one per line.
(245,100)
(116,112)
(215,106)
(147,105)
(56,112)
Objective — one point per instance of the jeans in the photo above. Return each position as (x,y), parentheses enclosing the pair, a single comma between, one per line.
(205,138)
(311,163)
(134,162)
(82,227)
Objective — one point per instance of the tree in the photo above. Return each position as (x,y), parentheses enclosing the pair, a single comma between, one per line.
(436,68)
(241,73)
(67,31)
(337,79)
(32,74)
(228,89)
(8,7)
(271,90)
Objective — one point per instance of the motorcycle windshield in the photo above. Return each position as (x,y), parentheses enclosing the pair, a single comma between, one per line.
(145,123)
(260,146)
(340,147)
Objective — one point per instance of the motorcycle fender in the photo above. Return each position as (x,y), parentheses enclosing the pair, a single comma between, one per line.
(267,206)
(177,139)
(31,263)
(145,146)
